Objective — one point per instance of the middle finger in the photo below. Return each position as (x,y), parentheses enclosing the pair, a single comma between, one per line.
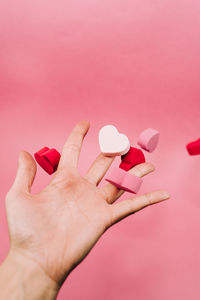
(99,168)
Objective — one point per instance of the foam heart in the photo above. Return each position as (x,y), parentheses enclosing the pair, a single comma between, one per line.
(113,143)
(48,159)
(124,180)
(132,158)
(148,139)
(193,148)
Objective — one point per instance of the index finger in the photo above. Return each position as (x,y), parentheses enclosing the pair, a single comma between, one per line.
(72,147)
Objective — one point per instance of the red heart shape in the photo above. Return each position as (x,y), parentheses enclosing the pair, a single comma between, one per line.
(193,148)
(134,157)
(48,159)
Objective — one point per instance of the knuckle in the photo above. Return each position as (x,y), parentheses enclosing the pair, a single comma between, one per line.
(147,199)
(73,147)
(78,129)
(137,171)
(69,179)
(131,206)
(104,194)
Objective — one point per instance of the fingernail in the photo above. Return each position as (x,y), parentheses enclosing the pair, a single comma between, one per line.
(165,196)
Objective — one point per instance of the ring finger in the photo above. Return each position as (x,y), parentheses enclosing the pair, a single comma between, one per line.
(112,193)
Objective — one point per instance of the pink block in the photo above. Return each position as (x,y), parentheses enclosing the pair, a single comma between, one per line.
(148,139)
(131,183)
(124,180)
(116,174)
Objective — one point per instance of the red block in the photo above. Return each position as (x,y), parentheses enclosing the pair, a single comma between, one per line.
(193,148)
(134,157)
(48,159)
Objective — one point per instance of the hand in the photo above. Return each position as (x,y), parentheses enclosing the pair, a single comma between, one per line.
(57,227)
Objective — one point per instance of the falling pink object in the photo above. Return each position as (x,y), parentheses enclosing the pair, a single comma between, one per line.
(193,148)
(48,159)
(113,143)
(124,180)
(148,139)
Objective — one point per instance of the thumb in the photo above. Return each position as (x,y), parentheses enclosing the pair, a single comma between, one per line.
(26,172)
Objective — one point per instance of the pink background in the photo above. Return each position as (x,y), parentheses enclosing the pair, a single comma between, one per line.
(134,64)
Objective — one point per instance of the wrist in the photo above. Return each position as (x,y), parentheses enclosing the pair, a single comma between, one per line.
(23,278)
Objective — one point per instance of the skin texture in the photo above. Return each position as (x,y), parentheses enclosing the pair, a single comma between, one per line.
(52,232)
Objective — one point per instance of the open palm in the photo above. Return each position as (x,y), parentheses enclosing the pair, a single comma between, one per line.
(57,227)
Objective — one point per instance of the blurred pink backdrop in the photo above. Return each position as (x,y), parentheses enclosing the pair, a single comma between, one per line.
(134,64)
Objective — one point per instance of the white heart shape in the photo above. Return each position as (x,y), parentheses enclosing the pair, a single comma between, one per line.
(113,143)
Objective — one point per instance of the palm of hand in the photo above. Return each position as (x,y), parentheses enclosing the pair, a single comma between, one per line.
(58,226)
